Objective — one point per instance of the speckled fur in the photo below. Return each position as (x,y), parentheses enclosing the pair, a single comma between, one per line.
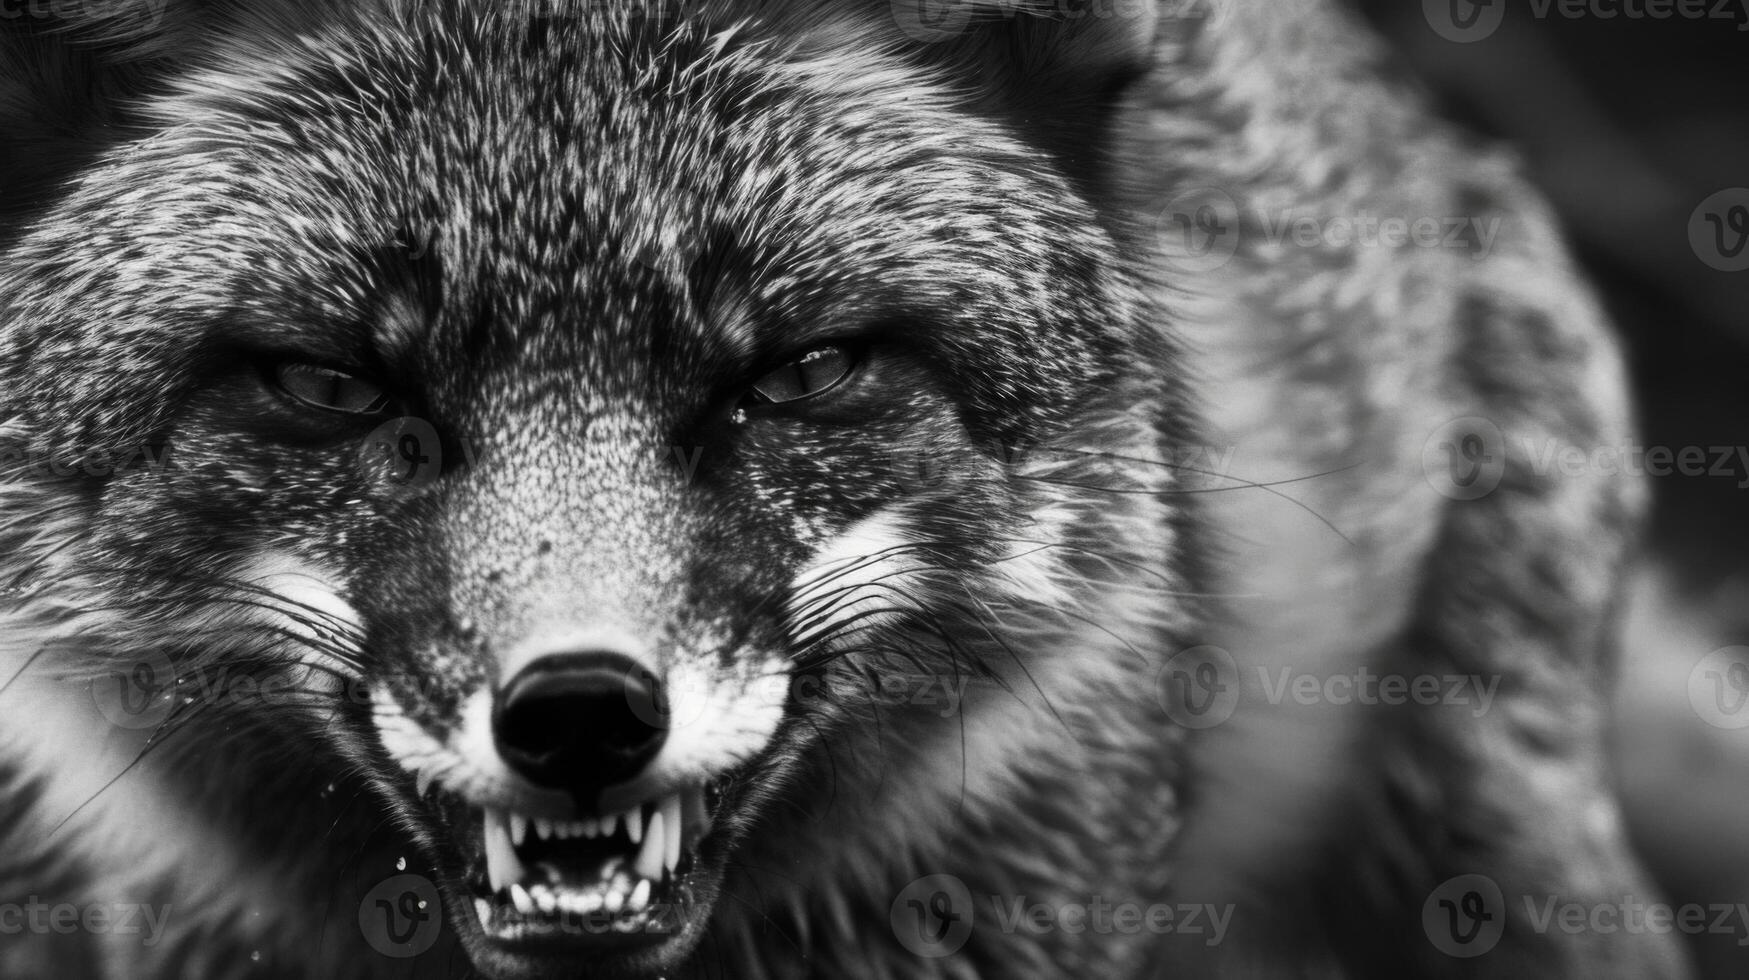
(568,230)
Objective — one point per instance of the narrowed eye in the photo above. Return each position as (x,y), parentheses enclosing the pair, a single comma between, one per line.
(814,373)
(331,390)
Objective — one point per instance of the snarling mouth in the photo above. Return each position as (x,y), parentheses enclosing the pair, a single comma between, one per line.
(613,880)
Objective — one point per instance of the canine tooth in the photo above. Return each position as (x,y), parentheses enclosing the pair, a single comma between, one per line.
(520,898)
(675,831)
(655,848)
(640,896)
(503,867)
(695,817)
(518,829)
(635,823)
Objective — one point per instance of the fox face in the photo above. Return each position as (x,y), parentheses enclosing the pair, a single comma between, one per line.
(607,419)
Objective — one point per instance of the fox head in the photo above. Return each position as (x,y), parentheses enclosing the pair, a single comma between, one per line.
(615,420)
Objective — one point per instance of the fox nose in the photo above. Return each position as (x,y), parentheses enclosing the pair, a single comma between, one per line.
(575,720)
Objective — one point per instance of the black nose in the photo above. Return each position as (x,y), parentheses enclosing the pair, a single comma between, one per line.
(576,720)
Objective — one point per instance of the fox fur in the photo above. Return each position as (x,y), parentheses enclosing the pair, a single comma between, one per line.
(566,230)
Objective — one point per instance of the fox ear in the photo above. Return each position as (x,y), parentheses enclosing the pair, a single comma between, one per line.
(1054,69)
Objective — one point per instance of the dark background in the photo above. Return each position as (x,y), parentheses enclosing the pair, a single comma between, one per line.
(1628,125)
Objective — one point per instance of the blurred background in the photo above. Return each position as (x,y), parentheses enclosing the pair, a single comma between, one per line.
(1637,128)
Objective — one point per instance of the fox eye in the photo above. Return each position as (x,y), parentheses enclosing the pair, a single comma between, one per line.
(814,373)
(331,390)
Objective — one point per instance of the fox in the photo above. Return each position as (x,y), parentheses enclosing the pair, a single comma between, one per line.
(791,488)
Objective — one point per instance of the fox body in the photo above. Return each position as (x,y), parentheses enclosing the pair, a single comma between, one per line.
(722,469)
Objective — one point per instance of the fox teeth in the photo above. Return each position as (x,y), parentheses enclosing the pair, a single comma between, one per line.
(607,825)
(634,819)
(585,828)
(518,829)
(503,867)
(520,897)
(421,782)
(640,896)
(655,847)
(675,831)
(543,829)
(544,898)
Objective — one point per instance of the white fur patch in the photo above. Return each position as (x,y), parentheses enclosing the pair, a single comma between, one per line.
(309,589)
(316,617)
(854,578)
